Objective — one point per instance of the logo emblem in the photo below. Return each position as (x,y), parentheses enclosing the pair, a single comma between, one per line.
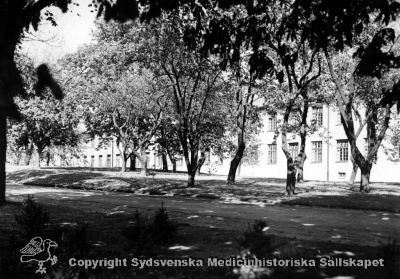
(38,250)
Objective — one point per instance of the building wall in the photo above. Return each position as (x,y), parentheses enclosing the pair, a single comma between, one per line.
(257,161)
(330,168)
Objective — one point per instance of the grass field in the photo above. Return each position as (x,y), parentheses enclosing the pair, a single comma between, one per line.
(384,196)
(104,236)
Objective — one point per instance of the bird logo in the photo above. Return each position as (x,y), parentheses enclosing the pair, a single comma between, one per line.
(38,250)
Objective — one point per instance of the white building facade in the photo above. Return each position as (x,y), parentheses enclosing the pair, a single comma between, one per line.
(327,149)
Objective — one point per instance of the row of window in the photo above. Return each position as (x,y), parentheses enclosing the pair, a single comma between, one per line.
(106,161)
(342,151)
(317,119)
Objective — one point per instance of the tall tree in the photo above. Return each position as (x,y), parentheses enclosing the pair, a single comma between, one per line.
(167,138)
(120,99)
(228,33)
(345,22)
(16,17)
(259,31)
(46,124)
(194,84)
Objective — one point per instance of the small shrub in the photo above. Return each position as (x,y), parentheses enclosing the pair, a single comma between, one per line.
(75,240)
(33,219)
(144,236)
(138,234)
(390,252)
(256,241)
(164,231)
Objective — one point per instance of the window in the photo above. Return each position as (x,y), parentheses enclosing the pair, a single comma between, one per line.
(92,161)
(316,151)
(118,160)
(158,160)
(317,115)
(219,161)
(342,151)
(294,149)
(108,161)
(366,150)
(272,158)
(365,146)
(207,160)
(342,175)
(179,161)
(148,159)
(251,155)
(398,150)
(100,161)
(339,118)
(272,123)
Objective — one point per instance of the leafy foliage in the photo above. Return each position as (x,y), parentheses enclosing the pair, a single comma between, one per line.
(164,231)
(145,236)
(118,98)
(390,252)
(46,122)
(75,240)
(343,20)
(33,219)
(255,239)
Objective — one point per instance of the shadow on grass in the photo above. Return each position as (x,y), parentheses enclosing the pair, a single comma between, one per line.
(49,177)
(18,176)
(352,201)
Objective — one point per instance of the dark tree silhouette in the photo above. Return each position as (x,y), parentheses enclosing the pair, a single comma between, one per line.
(344,22)
(16,17)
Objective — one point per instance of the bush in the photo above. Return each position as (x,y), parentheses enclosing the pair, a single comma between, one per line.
(255,240)
(390,252)
(138,234)
(75,241)
(163,231)
(144,236)
(33,219)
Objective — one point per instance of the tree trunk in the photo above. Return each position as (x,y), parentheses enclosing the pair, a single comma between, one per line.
(173,166)
(28,155)
(300,167)
(164,161)
(241,124)
(143,168)
(143,162)
(365,175)
(303,138)
(132,167)
(191,177)
(3,151)
(291,177)
(39,156)
(48,157)
(290,165)
(18,158)
(353,172)
(123,163)
(201,161)
(236,162)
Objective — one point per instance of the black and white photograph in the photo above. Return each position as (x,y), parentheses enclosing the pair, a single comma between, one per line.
(180,139)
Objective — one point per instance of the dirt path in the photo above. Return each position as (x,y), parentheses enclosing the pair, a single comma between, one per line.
(358,227)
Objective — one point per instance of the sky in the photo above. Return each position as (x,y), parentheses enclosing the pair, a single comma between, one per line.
(73,31)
